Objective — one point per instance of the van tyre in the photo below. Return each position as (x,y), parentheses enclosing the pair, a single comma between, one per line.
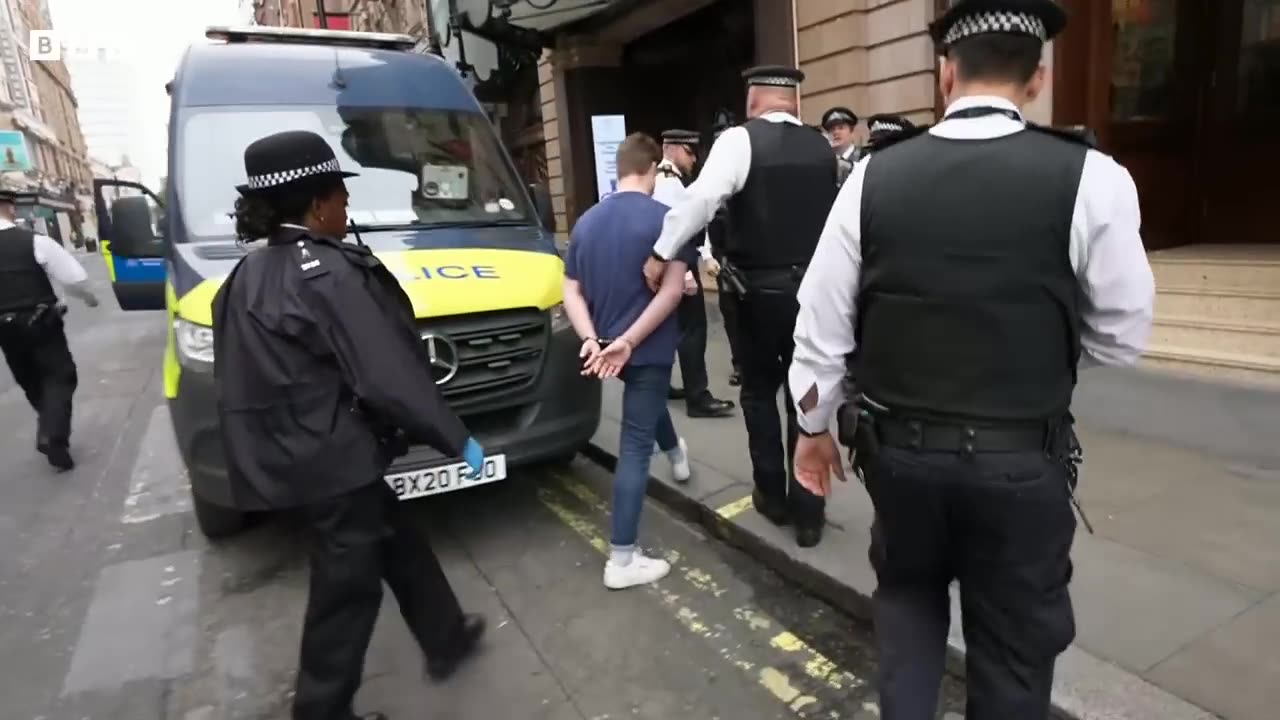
(216,521)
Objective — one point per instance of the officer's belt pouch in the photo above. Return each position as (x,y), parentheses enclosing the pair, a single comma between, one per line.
(773,280)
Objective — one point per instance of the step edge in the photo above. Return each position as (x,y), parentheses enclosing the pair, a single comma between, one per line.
(1214,262)
(1200,322)
(1217,292)
(1239,361)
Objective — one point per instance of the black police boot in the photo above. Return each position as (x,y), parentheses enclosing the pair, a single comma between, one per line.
(675,393)
(460,647)
(59,455)
(708,406)
(808,536)
(775,511)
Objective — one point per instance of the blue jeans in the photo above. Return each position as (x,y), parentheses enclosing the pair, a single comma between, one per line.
(645,419)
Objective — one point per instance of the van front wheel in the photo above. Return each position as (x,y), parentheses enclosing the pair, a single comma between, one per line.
(215,521)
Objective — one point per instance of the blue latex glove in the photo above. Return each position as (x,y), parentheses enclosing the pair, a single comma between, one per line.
(473,455)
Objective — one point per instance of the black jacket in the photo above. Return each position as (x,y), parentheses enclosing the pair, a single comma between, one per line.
(320,373)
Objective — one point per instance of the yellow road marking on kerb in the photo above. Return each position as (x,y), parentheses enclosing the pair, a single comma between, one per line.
(815,665)
(735,508)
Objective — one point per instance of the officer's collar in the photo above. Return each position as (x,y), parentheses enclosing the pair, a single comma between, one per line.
(289,234)
(975,101)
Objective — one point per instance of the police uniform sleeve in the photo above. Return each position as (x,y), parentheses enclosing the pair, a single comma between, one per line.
(723,175)
(824,334)
(381,359)
(1117,285)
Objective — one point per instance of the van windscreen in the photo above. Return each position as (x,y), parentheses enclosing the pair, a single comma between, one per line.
(417,167)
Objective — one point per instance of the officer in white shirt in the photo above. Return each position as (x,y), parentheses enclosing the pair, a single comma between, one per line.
(776,178)
(679,155)
(970,269)
(31,328)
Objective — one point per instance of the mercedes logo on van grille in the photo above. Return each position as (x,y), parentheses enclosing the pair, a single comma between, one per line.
(443,356)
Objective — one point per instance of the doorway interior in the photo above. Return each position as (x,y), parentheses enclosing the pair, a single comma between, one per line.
(1186,95)
(683,74)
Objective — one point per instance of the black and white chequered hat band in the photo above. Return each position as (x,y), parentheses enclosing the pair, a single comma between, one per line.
(882,126)
(1015,23)
(775,81)
(258,182)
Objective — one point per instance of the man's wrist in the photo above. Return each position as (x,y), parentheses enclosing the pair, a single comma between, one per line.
(658,256)
(807,433)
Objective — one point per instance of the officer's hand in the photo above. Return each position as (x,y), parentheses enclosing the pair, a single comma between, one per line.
(473,455)
(690,284)
(712,266)
(816,460)
(653,271)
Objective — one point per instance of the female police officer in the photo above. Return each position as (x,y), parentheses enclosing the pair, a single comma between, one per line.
(320,376)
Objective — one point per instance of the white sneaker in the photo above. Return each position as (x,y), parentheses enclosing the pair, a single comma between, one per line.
(679,457)
(641,570)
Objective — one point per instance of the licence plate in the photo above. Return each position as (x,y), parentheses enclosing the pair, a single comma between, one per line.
(446,478)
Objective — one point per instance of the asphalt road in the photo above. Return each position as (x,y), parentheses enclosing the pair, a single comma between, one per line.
(113,607)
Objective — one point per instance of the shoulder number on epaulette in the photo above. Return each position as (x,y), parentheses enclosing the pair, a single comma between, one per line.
(308,263)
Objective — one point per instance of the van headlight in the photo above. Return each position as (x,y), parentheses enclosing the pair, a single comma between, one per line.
(195,344)
(559,318)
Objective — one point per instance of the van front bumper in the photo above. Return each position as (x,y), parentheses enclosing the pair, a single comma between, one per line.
(554,420)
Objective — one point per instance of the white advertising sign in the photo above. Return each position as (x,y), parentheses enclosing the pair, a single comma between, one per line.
(607,133)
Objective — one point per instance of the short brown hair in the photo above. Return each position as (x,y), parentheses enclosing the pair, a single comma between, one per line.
(637,153)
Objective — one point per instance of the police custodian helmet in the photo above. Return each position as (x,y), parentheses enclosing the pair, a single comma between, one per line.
(287,157)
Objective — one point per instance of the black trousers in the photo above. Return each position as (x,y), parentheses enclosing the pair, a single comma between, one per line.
(729,307)
(691,315)
(359,540)
(1002,525)
(42,366)
(767,322)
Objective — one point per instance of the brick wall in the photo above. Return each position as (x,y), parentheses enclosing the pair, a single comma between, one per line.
(552,136)
(873,56)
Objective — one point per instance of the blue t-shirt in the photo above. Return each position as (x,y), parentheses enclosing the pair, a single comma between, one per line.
(607,252)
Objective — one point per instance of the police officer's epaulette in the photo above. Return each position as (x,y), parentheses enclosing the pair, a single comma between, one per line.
(1077,134)
(308,259)
(897,137)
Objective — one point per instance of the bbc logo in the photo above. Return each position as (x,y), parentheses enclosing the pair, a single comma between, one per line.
(52,46)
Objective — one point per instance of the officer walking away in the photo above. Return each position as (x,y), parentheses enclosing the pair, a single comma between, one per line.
(678,159)
(884,127)
(726,295)
(31,330)
(322,380)
(778,179)
(967,346)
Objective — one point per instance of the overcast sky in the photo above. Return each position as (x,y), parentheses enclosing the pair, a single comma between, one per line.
(151,35)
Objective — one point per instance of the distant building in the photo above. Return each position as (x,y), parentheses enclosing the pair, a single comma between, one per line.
(44,150)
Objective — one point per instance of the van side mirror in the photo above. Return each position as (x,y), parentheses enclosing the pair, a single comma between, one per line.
(542,201)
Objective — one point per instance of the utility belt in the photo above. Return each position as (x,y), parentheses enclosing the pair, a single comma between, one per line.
(865,427)
(41,316)
(780,280)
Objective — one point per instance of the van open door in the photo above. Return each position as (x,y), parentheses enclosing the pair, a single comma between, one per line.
(133,246)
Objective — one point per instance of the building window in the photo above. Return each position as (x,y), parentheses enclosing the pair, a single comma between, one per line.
(1259,70)
(334,21)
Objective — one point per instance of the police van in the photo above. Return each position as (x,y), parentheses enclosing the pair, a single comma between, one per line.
(437,199)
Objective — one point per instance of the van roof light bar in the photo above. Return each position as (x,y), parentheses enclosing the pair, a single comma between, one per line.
(270,34)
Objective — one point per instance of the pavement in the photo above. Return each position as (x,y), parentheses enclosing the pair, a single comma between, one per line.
(113,607)
(1176,596)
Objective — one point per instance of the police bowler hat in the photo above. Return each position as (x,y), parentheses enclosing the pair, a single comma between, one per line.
(285,158)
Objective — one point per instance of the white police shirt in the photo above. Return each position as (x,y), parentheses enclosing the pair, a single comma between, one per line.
(58,264)
(723,176)
(1106,252)
(670,191)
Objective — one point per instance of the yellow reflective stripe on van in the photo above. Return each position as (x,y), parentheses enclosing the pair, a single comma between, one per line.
(172,369)
(442,283)
(105,247)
